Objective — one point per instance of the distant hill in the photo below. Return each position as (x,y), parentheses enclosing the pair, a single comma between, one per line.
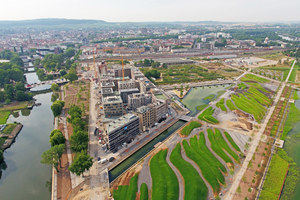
(51,22)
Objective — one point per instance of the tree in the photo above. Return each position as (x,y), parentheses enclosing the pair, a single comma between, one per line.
(57,107)
(9,91)
(81,163)
(1,156)
(20,86)
(54,87)
(57,138)
(71,76)
(79,141)
(52,156)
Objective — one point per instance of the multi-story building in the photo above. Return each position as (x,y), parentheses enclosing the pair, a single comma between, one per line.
(122,130)
(124,85)
(138,99)
(106,92)
(125,93)
(152,113)
(113,106)
(118,71)
(147,116)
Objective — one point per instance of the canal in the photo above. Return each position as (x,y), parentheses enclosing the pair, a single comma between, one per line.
(24,177)
(194,98)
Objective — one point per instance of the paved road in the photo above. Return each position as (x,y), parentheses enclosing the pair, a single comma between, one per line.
(254,144)
(145,175)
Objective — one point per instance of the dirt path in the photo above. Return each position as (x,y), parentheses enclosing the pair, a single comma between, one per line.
(210,190)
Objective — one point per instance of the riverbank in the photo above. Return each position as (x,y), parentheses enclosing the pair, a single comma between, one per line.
(10,137)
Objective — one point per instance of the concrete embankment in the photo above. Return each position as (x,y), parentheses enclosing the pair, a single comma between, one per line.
(12,136)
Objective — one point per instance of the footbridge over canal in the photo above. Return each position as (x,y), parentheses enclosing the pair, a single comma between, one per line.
(198,84)
(57,81)
(186,118)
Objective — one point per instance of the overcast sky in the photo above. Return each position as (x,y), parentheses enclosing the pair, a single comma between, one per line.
(153,10)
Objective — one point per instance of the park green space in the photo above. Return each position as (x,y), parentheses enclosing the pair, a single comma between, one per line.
(190,127)
(221,105)
(230,140)
(292,118)
(230,105)
(144,192)
(210,167)
(251,77)
(165,185)
(219,150)
(127,192)
(206,115)
(9,128)
(275,178)
(194,186)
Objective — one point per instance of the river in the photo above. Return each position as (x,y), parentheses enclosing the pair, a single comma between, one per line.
(25,177)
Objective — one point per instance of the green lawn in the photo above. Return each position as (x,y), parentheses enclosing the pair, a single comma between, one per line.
(194,186)
(233,144)
(189,128)
(144,192)
(217,148)
(242,86)
(164,181)
(4,116)
(221,141)
(127,192)
(251,77)
(275,178)
(250,105)
(230,105)
(206,115)
(208,164)
(9,128)
(221,105)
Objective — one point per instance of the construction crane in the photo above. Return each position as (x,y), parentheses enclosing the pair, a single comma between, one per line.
(94,61)
(122,69)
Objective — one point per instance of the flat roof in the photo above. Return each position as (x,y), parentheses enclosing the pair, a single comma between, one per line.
(112,99)
(107,91)
(120,122)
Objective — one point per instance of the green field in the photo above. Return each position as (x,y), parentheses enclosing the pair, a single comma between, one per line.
(242,86)
(251,77)
(127,192)
(293,75)
(221,105)
(275,178)
(217,148)
(144,192)
(164,181)
(233,144)
(250,105)
(206,115)
(230,105)
(194,186)
(292,119)
(222,143)
(4,116)
(189,128)
(209,165)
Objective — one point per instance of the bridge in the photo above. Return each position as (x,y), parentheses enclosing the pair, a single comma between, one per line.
(50,82)
(197,84)
(185,118)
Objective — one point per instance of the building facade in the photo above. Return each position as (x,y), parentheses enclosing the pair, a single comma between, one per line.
(138,99)
(122,130)
(113,106)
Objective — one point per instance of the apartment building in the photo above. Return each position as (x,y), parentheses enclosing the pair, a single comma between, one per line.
(113,106)
(138,99)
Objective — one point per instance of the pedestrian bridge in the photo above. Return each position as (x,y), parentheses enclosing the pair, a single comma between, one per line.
(186,118)
(57,81)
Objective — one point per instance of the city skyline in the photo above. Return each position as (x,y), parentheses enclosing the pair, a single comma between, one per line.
(154,10)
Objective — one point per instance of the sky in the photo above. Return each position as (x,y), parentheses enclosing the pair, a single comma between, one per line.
(153,10)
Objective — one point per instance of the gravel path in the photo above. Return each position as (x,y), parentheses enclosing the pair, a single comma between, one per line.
(210,190)
(145,175)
